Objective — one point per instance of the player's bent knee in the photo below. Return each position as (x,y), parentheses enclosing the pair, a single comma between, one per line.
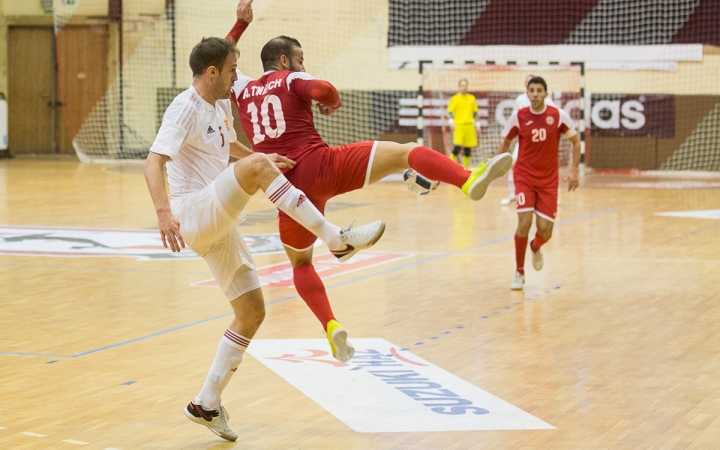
(251,169)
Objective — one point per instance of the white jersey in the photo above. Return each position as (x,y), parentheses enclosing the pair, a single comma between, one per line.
(523,100)
(196,136)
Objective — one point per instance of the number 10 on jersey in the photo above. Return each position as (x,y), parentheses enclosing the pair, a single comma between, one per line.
(261,122)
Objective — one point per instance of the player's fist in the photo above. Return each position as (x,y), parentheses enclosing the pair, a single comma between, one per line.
(244,10)
(451,123)
(326,110)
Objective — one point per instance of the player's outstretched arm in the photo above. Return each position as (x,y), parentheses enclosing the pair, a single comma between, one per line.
(573,177)
(244,17)
(168,224)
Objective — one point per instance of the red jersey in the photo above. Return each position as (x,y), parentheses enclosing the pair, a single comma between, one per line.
(539,138)
(276,111)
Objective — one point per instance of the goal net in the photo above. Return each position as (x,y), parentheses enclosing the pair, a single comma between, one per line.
(652,96)
(113,112)
(496,88)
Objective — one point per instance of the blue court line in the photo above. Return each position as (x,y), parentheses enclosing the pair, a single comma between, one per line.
(487,316)
(700,230)
(291,297)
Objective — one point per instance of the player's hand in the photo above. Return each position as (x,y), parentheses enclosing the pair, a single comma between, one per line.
(573,179)
(326,110)
(244,10)
(170,231)
(451,123)
(281,162)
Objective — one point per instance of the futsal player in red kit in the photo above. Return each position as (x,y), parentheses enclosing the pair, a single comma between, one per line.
(538,128)
(276,115)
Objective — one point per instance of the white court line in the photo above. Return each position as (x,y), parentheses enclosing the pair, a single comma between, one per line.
(29,433)
(70,441)
(112,448)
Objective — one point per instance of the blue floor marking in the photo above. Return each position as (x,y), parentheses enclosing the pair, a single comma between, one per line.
(291,297)
(495,312)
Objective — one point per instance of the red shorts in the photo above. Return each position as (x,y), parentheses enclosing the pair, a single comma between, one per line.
(321,175)
(542,200)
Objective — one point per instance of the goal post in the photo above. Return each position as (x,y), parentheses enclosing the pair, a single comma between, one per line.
(495,84)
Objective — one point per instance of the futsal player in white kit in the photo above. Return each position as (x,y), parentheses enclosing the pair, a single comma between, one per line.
(206,205)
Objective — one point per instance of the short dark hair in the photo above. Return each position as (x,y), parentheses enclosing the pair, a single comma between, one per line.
(537,80)
(465,80)
(275,48)
(212,51)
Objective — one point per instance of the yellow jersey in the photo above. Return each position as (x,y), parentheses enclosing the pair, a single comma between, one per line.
(462,107)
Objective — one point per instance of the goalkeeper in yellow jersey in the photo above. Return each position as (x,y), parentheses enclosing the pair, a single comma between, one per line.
(462,111)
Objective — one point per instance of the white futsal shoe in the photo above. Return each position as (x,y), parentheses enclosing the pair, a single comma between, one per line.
(537,258)
(215,419)
(518,282)
(507,200)
(359,238)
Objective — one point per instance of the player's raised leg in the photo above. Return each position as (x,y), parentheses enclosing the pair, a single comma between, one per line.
(391,157)
(205,408)
(258,172)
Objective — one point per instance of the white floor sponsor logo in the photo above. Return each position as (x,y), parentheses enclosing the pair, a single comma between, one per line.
(89,242)
(386,388)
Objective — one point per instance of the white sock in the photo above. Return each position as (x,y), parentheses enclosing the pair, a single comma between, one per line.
(511,183)
(293,202)
(227,359)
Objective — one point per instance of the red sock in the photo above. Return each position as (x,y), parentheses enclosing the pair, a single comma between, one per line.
(520,248)
(538,242)
(431,164)
(312,290)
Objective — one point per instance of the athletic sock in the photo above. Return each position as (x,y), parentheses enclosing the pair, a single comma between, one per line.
(538,242)
(293,202)
(312,290)
(520,248)
(466,162)
(431,164)
(227,359)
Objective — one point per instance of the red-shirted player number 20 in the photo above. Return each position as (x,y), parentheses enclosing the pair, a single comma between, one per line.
(539,134)
(277,111)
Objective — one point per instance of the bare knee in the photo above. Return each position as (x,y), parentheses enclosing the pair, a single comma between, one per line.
(545,232)
(252,166)
(255,171)
(524,224)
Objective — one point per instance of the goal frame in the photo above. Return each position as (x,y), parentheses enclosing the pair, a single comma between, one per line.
(510,65)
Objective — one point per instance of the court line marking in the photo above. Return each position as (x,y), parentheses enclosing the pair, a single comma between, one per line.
(291,297)
(700,230)
(72,441)
(30,433)
(487,316)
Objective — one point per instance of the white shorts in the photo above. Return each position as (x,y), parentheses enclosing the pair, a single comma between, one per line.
(209,220)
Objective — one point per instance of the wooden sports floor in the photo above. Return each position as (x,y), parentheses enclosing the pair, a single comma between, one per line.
(615,343)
